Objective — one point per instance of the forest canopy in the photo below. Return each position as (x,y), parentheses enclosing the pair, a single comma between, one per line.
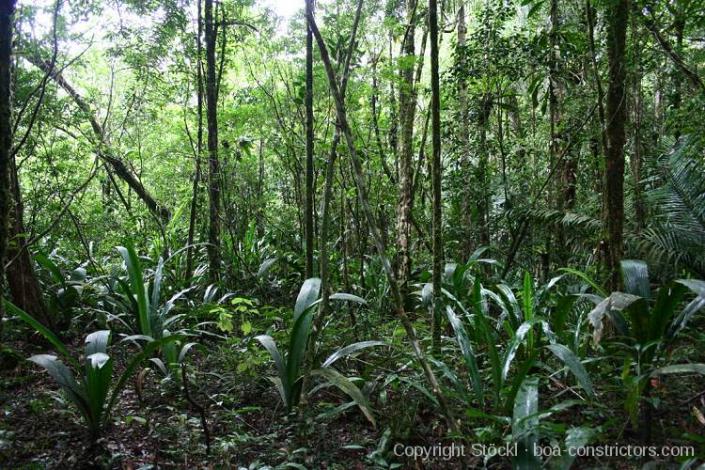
(352,233)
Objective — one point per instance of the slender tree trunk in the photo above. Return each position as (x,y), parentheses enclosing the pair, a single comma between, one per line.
(465,244)
(617,16)
(363,199)
(328,185)
(638,140)
(407,112)
(7,9)
(436,175)
(393,137)
(199,146)
(375,124)
(483,216)
(308,216)
(589,14)
(556,91)
(676,74)
(261,206)
(214,256)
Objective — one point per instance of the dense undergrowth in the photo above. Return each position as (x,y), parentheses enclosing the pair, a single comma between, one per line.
(176,362)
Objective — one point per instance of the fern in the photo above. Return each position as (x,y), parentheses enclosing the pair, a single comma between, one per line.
(676,236)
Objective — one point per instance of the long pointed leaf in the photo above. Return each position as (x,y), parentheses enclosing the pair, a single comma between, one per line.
(134,271)
(521,333)
(97,342)
(576,367)
(524,423)
(271,346)
(345,385)
(579,274)
(348,350)
(308,294)
(41,329)
(298,342)
(64,377)
(468,353)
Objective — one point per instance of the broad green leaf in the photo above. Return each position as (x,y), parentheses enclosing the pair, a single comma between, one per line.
(47,263)
(297,350)
(576,367)
(269,344)
(97,342)
(41,329)
(348,297)
(695,285)
(345,385)
(348,350)
(265,266)
(635,274)
(467,351)
(667,300)
(99,376)
(686,314)
(521,333)
(524,424)
(63,376)
(137,287)
(616,301)
(308,294)
(187,347)
(575,438)
(510,303)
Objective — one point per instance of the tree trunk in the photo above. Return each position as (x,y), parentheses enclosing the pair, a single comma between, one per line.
(328,185)
(483,209)
(676,74)
(24,287)
(617,16)
(436,175)
(638,139)
(199,146)
(213,163)
(261,205)
(308,216)
(556,92)
(465,244)
(7,9)
(407,112)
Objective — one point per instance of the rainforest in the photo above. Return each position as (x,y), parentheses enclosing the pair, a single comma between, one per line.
(352,234)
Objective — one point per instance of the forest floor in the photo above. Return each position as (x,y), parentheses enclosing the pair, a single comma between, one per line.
(155,426)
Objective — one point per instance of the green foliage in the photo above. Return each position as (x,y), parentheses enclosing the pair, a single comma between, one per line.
(94,393)
(644,327)
(152,316)
(677,235)
(290,367)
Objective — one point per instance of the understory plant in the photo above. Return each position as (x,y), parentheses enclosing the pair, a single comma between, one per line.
(290,366)
(644,325)
(521,319)
(88,382)
(152,317)
(526,324)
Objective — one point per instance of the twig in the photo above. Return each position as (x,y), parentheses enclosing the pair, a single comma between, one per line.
(200,408)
